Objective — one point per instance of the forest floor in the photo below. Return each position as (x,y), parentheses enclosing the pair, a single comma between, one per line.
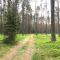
(34,47)
(28,42)
(45,49)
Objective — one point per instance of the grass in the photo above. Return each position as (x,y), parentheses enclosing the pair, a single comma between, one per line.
(1,37)
(20,37)
(45,49)
(5,48)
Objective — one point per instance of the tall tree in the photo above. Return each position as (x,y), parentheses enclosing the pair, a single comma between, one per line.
(10,25)
(58,17)
(36,18)
(53,37)
(26,11)
(0,16)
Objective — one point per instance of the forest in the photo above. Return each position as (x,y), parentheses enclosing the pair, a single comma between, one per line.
(29,29)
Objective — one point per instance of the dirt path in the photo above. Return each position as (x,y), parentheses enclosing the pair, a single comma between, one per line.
(29,51)
(14,50)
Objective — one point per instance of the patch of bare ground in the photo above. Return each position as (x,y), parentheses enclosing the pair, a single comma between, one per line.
(29,51)
(13,51)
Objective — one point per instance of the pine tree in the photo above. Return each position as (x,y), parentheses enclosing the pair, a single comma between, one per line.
(53,37)
(26,13)
(10,26)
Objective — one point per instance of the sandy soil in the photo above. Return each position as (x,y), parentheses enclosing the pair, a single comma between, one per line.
(14,50)
(27,54)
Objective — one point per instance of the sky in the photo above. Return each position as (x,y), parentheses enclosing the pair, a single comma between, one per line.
(38,2)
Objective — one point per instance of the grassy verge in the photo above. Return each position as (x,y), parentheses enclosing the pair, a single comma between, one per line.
(4,48)
(20,37)
(45,49)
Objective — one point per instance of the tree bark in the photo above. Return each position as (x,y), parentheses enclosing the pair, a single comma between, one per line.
(53,37)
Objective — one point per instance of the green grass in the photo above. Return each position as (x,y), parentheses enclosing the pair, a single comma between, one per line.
(1,37)
(5,48)
(20,37)
(45,49)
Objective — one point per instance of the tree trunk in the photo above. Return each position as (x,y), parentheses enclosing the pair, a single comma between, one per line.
(58,18)
(53,37)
